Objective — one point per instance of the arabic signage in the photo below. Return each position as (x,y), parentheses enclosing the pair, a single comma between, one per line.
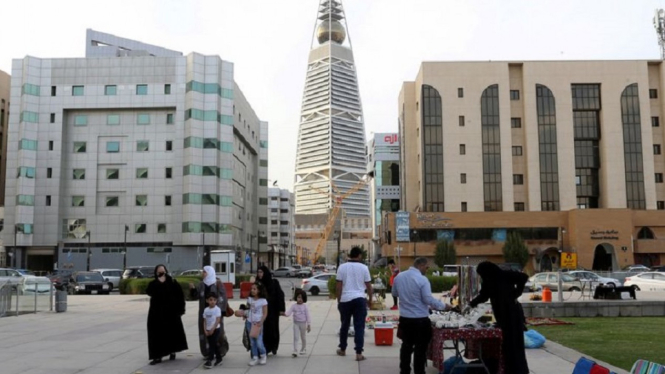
(402,227)
(386,139)
(604,235)
(569,260)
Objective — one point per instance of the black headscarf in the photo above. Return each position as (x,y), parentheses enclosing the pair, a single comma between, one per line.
(166,271)
(267,276)
(489,271)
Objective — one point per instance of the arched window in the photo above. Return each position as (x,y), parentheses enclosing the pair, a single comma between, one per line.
(632,147)
(432,146)
(645,233)
(549,165)
(489,116)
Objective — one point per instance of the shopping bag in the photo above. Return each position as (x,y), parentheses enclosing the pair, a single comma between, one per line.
(255,331)
(583,366)
(533,339)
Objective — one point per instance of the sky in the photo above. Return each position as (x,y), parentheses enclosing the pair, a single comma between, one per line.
(269,41)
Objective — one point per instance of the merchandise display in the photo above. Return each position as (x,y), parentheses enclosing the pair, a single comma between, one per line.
(456,320)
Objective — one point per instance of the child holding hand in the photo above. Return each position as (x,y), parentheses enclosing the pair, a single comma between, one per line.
(301,321)
(213,317)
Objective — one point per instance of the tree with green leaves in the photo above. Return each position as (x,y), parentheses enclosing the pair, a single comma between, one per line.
(514,250)
(445,253)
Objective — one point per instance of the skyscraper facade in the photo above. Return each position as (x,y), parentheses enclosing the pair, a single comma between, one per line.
(331,140)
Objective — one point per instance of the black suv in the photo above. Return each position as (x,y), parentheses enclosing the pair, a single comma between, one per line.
(133,272)
(88,282)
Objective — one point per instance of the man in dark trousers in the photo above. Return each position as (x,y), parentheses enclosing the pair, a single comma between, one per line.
(415,299)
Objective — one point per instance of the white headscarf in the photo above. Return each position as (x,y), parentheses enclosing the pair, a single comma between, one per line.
(210,278)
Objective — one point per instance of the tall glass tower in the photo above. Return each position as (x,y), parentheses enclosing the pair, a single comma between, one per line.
(331,157)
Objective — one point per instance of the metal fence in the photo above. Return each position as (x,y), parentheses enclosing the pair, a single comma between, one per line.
(15,299)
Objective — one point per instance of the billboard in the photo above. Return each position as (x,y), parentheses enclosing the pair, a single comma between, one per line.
(402,226)
(386,139)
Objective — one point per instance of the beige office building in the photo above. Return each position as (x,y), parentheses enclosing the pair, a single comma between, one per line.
(5,88)
(509,140)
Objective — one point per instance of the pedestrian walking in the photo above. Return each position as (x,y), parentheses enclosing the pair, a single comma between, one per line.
(207,286)
(213,322)
(276,305)
(257,315)
(166,334)
(301,322)
(353,280)
(415,329)
(394,270)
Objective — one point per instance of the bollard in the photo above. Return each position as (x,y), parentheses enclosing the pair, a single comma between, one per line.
(547,295)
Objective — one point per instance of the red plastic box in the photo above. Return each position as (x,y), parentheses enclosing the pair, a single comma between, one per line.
(383,334)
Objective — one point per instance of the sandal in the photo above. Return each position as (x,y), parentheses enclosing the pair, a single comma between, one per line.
(360,357)
(340,352)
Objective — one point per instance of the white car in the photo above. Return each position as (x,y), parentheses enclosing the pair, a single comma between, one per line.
(286,271)
(584,275)
(41,285)
(650,281)
(112,276)
(316,284)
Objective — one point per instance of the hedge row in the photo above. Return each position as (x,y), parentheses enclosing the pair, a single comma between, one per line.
(438,283)
(139,286)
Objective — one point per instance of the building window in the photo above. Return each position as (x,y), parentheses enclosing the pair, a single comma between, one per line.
(463,206)
(460,92)
(50,145)
(491,146)
(516,123)
(141,200)
(141,89)
(655,121)
(263,163)
(659,177)
(169,118)
(112,173)
(77,91)
(263,182)
(645,233)
(24,228)
(518,179)
(27,172)
(660,205)
(79,147)
(27,144)
(113,119)
(49,173)
(161,228)
(462,178)
(263,201)
(653,93)
(52,118)
(53,90)
(632,148)
(514,94)
(656,149)
(78,201)
(48,200)
(112,201)
(169,145)
(461,121)
(167,89)
(547,143)
(112,147)
(110,90)
(143,119)
(432,135)
(517,150)
(519,207)
(462,149)
(142,146)
(586,133)
(140,228)
(169,173)
(142,173)
(79,174)
(25,200)
(167,200)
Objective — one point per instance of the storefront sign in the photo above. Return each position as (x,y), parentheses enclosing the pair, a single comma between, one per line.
(402,226)
(386,139)
(569,260)
(604,235)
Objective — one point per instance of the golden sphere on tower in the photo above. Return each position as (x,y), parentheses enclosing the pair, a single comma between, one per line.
(331,31)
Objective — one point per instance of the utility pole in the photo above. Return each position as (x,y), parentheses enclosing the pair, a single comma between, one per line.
(124,254)
(89,254)
(339,245)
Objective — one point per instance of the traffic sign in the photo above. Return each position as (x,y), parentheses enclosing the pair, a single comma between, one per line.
(569,260)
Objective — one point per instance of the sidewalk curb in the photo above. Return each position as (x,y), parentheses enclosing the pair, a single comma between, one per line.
(572,355)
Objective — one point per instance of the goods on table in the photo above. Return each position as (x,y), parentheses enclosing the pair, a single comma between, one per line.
(456,320)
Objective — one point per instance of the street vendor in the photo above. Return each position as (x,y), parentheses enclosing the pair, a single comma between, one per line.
(502,288)
(415,329)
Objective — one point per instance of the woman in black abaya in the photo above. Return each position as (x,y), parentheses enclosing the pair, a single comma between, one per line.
(276,305)
(503,288)
(166,334)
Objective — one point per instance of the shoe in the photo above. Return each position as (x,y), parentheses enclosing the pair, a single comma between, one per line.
(208,365)
(155,361)
(294,354)
(263,359)
(218,362)
(394,307)
(172,356)
(303,352)
(253,361)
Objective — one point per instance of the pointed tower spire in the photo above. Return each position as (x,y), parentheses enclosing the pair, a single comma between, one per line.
(331,138)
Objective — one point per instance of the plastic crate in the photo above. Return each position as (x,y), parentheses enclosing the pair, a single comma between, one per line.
(383,334)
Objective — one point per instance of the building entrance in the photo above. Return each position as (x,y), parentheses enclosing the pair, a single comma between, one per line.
(603,257)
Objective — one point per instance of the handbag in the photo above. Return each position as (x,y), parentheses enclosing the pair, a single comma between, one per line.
(229,311)
(255,329)
(245,339)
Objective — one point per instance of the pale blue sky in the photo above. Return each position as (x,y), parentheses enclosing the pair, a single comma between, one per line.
(268,41)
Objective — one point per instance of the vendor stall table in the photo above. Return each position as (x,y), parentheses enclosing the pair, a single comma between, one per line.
(479,343)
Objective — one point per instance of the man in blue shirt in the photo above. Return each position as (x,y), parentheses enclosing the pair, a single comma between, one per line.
(415,299)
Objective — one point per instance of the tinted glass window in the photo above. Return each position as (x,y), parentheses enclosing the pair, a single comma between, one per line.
(489,111)
(632,148)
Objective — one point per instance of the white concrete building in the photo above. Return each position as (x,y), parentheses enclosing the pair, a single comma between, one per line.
(281,229)
(132,147)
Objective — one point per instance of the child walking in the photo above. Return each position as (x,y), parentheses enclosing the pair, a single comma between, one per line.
(301,321)
(258,311)
(213,317)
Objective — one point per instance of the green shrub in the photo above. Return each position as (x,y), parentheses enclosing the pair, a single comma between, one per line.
(440,284)
(139,286)
(332,287)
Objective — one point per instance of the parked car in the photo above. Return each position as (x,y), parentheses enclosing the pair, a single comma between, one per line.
(25,272)
(510,266)
(551,281)
(319,269)
(88,282)
(30,284)
(305,272)
(649,281)
(450,270)
(10,275)
(585,275)
(111,276)
(316,284)
(138,272)
(60,279)
(285,271)
(636,268)
(191,273)
(659,268)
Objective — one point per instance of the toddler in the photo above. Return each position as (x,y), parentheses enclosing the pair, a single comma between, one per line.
(301,321)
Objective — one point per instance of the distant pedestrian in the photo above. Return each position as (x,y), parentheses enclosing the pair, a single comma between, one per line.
(276,305)
(257,315)
(210,285)
(394,270)
(166,334)
(301,322)
(352,280)
(502,288)
(415,299)
(213,322)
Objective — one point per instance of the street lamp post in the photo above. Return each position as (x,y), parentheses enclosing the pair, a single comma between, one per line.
(339,245)
(415,242)
(15,253)
(560,286)
(89,254)
(124,254)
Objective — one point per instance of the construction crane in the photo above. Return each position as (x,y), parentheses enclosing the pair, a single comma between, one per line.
(338,198)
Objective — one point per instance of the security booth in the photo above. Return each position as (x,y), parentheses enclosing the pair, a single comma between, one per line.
(224,263)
